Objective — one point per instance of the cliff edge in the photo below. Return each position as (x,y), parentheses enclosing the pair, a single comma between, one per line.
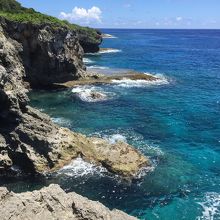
(34,54)
(37,50)
(52,203)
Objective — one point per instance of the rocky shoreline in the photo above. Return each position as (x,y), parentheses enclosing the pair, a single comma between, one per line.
(30,137)
(36,56)
(53,203)
(106,79)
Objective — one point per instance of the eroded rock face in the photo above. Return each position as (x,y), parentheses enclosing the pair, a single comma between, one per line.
(53,203)
(46,147)
(49,55)
(28,138)
(90,44)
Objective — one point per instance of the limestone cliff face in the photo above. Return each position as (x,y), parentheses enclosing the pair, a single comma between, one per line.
(90,44)
(28,138)
(53,203)
(48,54)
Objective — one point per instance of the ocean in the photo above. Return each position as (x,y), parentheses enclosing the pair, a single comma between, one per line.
(174,121)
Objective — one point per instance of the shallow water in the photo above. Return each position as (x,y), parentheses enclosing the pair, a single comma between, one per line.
(175,122)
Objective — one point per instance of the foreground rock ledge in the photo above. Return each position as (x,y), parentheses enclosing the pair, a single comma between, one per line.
(95,78)
(53,203)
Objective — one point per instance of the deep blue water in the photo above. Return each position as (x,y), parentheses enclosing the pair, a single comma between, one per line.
(176,124)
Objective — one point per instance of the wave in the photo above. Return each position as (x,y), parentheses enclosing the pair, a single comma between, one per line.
(98,67)
(153,152)
(144,171)
(211,207)
(134,138)
(61,121)
(129,83)
(117,138)
(105,51)
(91,94)
(110,50)
(108,36)
(79,167)
(87,61)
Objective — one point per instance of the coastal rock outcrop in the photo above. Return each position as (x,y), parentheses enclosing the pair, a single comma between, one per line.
(48,54)
(52,203)
(28,138)
(89,43)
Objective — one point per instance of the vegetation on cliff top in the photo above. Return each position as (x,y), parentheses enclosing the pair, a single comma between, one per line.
(13,11)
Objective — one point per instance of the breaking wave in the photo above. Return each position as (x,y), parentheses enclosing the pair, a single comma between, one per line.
(110,50)
(117,138)
(87,61)
(98,67)
(108,36)
(211,207)
(79,167)
(105,51)
(62,121)
(129,83)
(91,94)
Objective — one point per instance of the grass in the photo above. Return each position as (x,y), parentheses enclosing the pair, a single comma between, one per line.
(13,11)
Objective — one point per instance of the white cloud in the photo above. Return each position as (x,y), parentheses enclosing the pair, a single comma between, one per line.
(83,16)
(179,18)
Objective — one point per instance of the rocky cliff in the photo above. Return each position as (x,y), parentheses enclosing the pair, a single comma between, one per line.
(48,54)
(32,55)
(39,56)
(53,203)
(90,44)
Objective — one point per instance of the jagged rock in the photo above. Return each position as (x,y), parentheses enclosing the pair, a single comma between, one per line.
(48,54)
(46,147)
(52,203)
(5,161)
(89,43)
(30,139)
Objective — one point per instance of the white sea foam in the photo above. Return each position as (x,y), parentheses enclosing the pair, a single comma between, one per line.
(87,61)
(61,121)
(110,50)
(98,67)
(144,171)
(79,167)
(108,36)
(129,83)
(135,139)
(130,136)
(105,51)
(16,169)
(91,94)
(116,138)
(211,207)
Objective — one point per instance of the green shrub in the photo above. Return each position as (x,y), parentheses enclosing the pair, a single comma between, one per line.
(12,10)
(10,6)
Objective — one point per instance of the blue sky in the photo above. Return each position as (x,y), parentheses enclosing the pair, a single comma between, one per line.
(133,13)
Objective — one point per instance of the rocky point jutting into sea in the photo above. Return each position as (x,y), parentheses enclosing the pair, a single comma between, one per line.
(36,55)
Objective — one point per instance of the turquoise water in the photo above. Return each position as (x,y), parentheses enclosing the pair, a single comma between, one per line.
(176,122)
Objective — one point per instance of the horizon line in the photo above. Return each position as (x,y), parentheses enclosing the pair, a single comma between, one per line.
(155,28)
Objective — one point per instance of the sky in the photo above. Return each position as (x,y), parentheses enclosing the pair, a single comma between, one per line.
(168,14)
